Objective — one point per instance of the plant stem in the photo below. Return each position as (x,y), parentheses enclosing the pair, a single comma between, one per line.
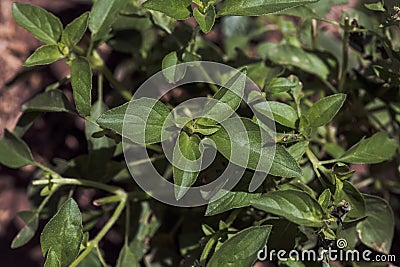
(94,243)
(80,182)
(115,83)
(345,54)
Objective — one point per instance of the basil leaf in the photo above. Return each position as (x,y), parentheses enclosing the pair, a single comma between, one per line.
(375,149)
(74,31)
(242,248)
(294,205)
(127,258)
(283,164)
(50,101)
(230,200)
(177,9)
(63,233)
(14,152)
(44,55)
(257,7)
(155,112)
(205,20)
(81,81)
(172,72)
(285,54)
(103,15)
(52,259)
(31,220)
(324,110)
(377,230)
(43,25)
(189,151)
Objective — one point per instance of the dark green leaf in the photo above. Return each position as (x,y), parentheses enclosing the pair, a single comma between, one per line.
(185,172)
(52,259)
(230,200)
(44,55)
(127,258)
(31,219)
(346,191)
(283,164)
(43,25)
(286,54)
(155,112)
(81,81)
(242,248)
(14,152)
(372,150)
(50,101)
(63,233)
(325,110)
(74,31)
(257,7)
(296,206)
(103,15)
(172,72)
(377,230)
(206,20)
(177,9)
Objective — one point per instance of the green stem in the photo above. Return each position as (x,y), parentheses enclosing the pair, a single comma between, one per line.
(127,221)
(345,54)
(100,87)
(80,182)
(115,83)
(94,243)
(101,258)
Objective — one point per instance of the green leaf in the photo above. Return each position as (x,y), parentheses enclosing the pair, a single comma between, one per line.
(127,258)
(347,191)
(74,31)
(43,25)
(102,16)
(324,110)
(31,220)
(177,9)
(375,149)
(258,7)
(189,151)
(296,206)
(297,150)
(14,153)
(172,72)
(283,113)
(280,85)
(242,248)
(206,130)
(44,55)
(230,200)
(63,233)
(52,259)
(50,101)
(155,112)
(325,199)
(206,21)
(376,6)
(377,230)
(285,54)
(283,164)
(81,81)
(98,108)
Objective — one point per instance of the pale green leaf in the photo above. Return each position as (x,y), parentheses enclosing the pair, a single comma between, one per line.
(177,9)
(44,55)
